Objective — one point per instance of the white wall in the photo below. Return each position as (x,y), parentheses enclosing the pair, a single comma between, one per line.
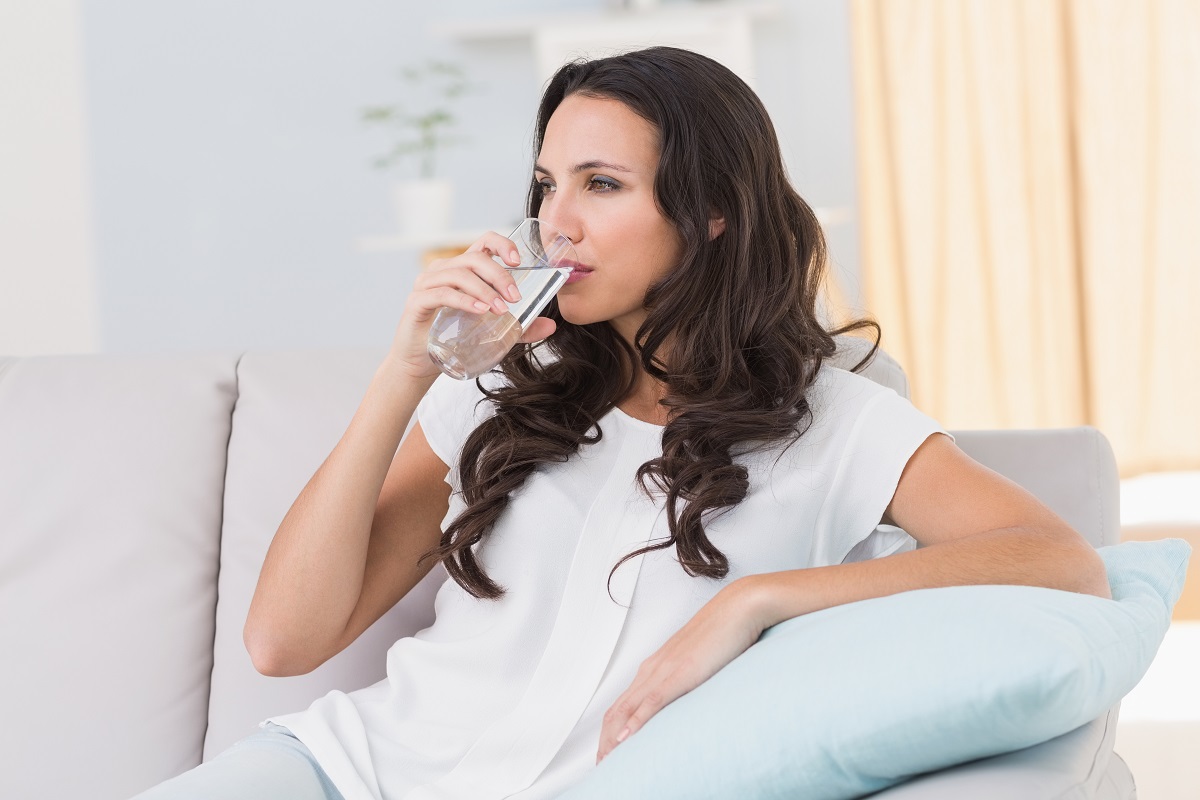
(229,172)
(47,287)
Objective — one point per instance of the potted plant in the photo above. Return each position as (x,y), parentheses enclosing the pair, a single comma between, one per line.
(422,125)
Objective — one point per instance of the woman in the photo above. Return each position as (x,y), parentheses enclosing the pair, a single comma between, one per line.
(665,467)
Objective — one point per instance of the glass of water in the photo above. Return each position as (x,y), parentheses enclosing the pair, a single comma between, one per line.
(466,345)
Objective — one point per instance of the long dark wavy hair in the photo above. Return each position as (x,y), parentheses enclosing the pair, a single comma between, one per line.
(739,312)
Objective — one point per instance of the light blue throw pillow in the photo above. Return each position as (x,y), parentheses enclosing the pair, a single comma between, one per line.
(860,697)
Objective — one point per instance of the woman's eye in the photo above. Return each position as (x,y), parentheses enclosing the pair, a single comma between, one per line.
(602,185)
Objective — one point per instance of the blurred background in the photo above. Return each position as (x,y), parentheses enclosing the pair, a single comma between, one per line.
(1011,188)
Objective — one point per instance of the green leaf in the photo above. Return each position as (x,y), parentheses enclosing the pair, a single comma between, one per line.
(379,113)
(422,131)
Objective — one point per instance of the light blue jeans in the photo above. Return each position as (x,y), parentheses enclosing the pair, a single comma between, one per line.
(269,763)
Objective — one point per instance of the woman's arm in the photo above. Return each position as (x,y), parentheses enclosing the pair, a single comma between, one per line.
(313,576)
(973,526)
(347,549)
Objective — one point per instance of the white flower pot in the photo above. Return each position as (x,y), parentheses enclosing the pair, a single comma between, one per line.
(423,207)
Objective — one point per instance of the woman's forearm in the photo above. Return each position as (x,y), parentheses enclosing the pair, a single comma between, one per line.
(312,577)
(1017,556)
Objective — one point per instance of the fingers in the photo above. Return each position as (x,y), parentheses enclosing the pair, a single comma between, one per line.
(425,304)
(493,244)
(476,276)
(466,281)
(641,701)
(621,728)
(472,282)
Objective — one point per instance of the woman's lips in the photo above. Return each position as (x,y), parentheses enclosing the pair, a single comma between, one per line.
(578,271)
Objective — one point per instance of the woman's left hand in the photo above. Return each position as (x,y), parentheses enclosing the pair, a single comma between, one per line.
(722,629)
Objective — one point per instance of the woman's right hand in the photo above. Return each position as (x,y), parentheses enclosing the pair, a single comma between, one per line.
(471,282)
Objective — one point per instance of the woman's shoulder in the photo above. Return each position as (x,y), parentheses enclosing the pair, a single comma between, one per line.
(839,392)
(839,400)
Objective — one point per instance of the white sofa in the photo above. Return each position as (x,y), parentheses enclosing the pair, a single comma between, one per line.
(138,495)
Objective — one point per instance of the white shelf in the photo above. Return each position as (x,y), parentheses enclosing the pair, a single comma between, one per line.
(390,243)
(466,30)
(720,30)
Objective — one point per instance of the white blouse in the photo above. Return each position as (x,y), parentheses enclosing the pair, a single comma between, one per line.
(505,698)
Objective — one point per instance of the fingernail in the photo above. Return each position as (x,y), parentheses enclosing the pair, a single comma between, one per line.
(482,306)
(513,293)
(499,305)
(623,735)
(514,257)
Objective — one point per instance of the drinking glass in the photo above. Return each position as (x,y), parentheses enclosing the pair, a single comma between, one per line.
(466,345)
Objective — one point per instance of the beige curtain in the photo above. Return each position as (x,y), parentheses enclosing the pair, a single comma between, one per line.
(1030,200)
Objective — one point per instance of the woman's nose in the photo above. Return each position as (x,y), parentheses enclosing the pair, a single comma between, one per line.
(563,217)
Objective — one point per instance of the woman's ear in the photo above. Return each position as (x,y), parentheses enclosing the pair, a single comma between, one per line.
(716,226)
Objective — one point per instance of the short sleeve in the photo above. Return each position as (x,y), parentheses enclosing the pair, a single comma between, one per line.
(883,437)
(448,413)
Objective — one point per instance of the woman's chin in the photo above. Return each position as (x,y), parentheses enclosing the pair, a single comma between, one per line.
(572,313)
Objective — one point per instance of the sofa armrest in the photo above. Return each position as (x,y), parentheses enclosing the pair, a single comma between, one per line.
(1079,765)
(1074,472)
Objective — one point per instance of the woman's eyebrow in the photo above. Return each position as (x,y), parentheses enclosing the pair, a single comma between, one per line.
(585,165)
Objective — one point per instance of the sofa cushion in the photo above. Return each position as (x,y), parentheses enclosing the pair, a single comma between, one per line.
(855,698)
(110,499)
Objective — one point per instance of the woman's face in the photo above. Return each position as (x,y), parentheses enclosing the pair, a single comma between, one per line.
(596,169)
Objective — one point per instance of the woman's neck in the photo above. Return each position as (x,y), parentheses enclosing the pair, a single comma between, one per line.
(644,402)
